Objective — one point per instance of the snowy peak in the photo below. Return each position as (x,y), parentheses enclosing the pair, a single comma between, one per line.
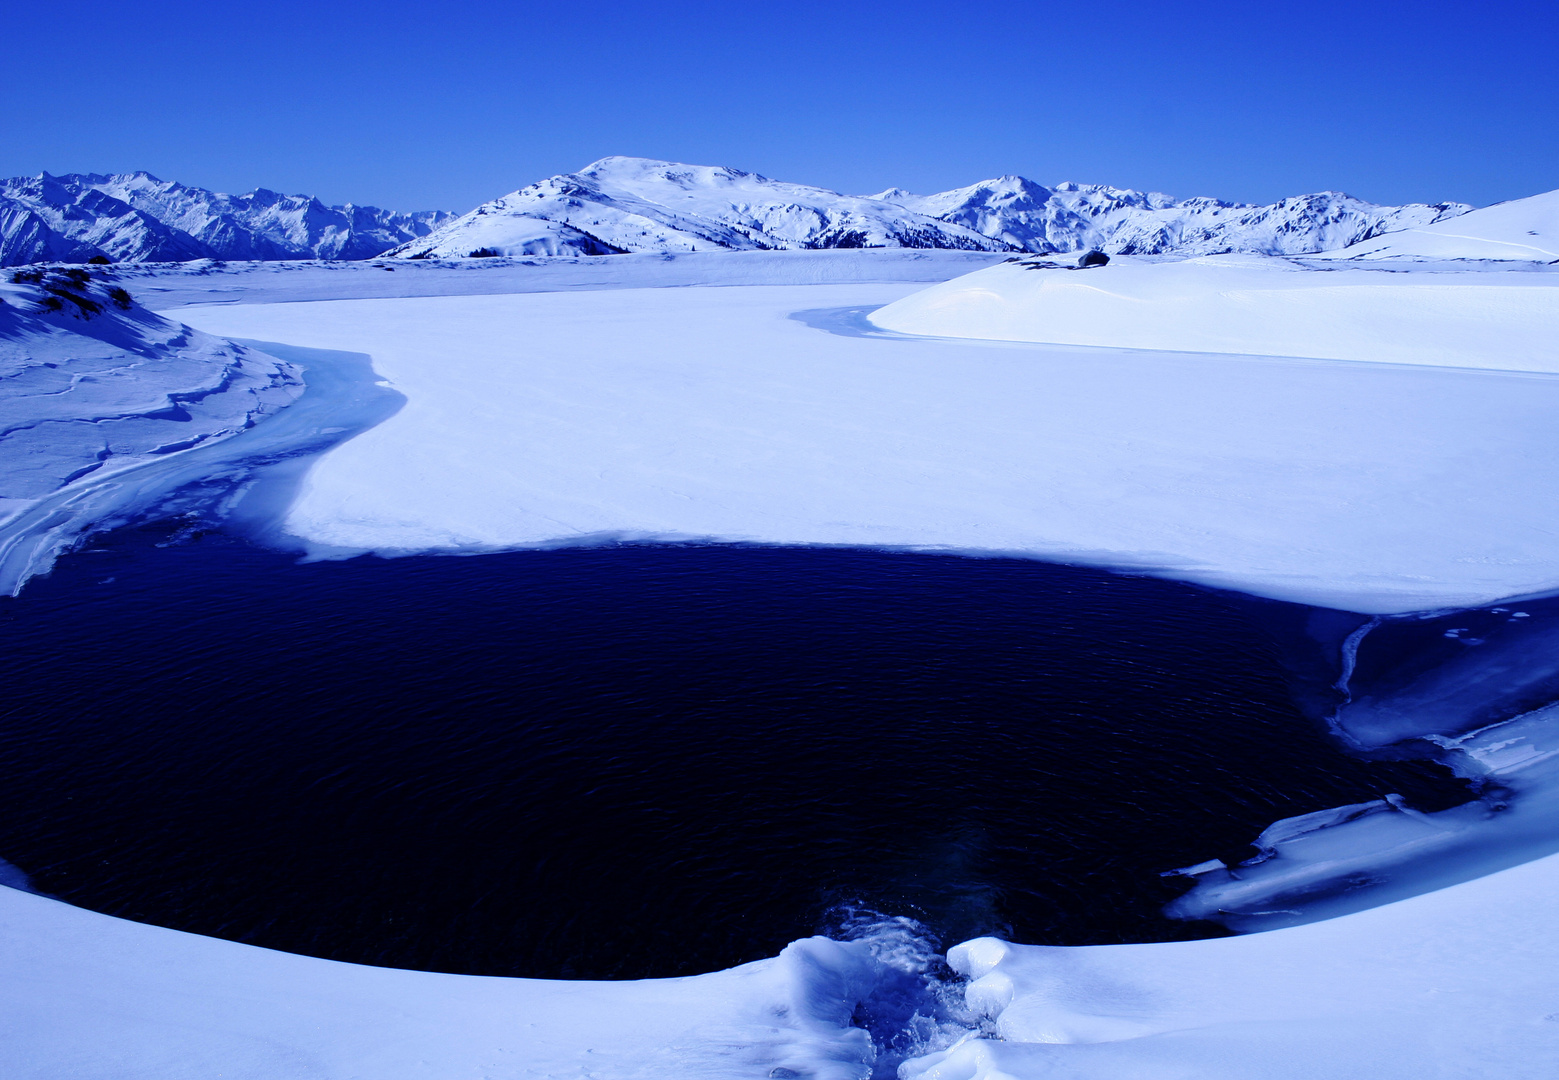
(135,217)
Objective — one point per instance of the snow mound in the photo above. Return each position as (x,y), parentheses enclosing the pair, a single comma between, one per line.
(1522,229)
(1250,305)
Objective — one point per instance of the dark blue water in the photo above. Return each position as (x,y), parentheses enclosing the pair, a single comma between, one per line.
(640,760)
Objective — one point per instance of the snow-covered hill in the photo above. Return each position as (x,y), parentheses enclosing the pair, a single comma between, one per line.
(1525,230)
(638,204)
(135,217)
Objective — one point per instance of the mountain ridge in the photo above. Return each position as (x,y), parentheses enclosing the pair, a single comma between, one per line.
(136,217)
(626,204)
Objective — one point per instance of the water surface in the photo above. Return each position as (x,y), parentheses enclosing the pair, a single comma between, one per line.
(638,760)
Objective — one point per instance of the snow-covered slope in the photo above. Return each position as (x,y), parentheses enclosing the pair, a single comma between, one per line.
(135,217)
(638,204)
(1249,304)
(92,385)
(1523,229)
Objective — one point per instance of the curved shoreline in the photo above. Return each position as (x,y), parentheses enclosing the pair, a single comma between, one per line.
(253,471)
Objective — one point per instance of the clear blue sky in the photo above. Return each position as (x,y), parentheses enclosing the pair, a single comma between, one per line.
(413,106)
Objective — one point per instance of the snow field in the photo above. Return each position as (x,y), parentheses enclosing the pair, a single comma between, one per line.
(711,414)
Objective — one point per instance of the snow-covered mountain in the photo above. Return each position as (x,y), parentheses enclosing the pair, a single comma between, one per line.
(135,217)
(621,204)
(637,204)
(1080,217)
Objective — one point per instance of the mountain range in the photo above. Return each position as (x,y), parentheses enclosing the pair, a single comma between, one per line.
(135,217)
(623,204)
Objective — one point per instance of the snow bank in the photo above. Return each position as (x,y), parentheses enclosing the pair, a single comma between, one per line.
(566,418)
(1248,304)
(1461,982)
(93,388)
(88,995)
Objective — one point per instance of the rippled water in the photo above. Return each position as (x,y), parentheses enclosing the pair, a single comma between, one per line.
(638,760)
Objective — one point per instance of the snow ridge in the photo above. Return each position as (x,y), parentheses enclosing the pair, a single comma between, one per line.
(135,217)
(621,204)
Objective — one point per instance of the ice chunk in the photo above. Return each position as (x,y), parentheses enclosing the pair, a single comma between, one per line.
(1420,692)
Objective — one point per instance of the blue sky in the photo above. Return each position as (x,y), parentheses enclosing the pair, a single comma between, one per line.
(413,106)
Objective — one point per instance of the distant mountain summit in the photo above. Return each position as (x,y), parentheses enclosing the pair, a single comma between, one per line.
(135,217)
(622,204)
